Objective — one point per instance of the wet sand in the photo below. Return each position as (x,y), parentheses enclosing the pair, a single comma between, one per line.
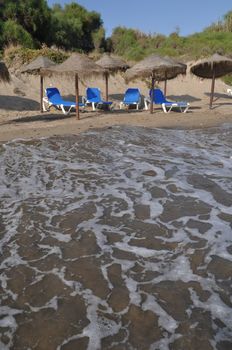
(117,239)
(35,125)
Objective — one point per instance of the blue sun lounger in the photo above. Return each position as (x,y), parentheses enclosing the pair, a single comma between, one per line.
(53,98)
(93,97)
(132,96)
(159,99)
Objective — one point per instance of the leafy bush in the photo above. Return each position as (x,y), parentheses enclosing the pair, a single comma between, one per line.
(14,33)
(227,79)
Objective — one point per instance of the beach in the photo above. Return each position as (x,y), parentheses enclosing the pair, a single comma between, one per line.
(115,228)
(20,115)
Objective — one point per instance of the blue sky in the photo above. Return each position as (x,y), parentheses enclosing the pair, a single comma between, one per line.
(156,16)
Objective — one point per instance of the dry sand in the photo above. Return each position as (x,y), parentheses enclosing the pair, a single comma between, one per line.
(20,115)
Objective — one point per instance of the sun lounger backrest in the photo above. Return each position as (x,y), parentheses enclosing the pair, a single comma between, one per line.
(53,95)
(132,95)
(158,96)
(93,94)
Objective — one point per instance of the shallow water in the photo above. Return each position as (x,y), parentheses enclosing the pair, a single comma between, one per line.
(117,239)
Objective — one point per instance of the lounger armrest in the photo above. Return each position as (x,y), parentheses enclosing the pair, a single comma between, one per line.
(187,107)
(45,104)
(84,100)
(164,108)
(147,100)
(121,104)
(229,92)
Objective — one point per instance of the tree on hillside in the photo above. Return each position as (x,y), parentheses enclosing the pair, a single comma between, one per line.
(99,41)
(31,16)
(73,27)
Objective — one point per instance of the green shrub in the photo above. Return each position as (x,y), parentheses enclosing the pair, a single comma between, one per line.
(14,33)
(227,79)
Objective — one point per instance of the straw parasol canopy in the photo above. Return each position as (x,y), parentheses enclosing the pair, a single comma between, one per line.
(34,67)
(160,68)
(79,65)
(37,64)
(156,68)
(4,73)
(213,67)
(112,64)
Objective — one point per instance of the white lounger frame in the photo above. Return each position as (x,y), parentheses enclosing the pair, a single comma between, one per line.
(47,105)
(121,104)
(93,104)
(167,107)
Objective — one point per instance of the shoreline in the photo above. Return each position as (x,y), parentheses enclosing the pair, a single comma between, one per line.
(32,125)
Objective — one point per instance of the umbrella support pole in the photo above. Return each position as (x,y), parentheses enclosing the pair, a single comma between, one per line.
(77,97)
(165,87)
(107,86)
(212,91)
(41,93)
(152,94)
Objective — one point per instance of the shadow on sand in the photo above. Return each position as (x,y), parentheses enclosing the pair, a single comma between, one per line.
(187,98)
(116,97)
(218,105)
(217,96)
(17,103)
(38,117)
(71,98)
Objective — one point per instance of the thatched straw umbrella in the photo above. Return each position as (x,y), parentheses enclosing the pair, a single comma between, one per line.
(213,67)
(4,73)
(78,65)
(157,68)
(112,64)
(35,67)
